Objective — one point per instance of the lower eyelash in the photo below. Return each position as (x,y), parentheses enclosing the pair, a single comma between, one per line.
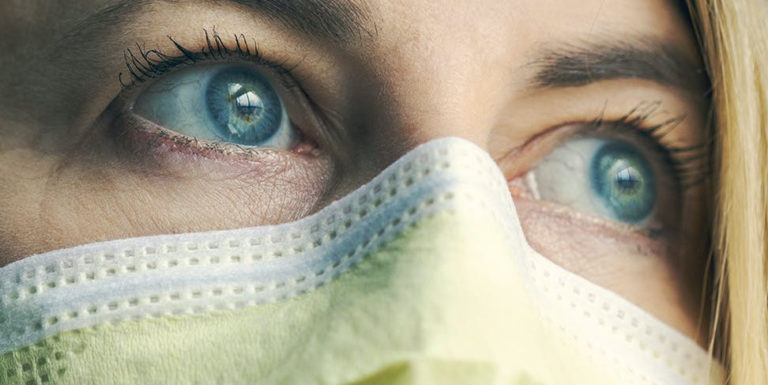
(143,64)
(690,164)
(145,139)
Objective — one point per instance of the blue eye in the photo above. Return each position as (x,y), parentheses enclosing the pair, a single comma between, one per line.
(604,177)
(624,181)
(220,103)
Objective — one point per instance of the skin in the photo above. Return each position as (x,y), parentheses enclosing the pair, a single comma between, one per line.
(77,167)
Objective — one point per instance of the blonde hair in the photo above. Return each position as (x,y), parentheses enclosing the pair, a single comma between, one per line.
(734,41)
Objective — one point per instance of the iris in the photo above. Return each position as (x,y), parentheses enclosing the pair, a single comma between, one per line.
(245,109)
(623,180)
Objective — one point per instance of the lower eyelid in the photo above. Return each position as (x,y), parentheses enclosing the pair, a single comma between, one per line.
(155,149)
(644,241)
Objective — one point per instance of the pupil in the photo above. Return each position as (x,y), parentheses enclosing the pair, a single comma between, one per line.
(248,104)
(628,180)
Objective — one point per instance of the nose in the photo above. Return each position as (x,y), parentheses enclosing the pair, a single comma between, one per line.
(448,288)
(442,302)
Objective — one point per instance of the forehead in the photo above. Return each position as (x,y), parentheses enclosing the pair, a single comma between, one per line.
(513,33)
(494,20)
(521,27)
(535,19)
(398,42)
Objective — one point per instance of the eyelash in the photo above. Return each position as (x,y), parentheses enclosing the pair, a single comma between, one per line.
(151,64)
(689,164)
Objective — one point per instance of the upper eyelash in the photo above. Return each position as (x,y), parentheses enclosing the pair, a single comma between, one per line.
(143,64)
(690,164)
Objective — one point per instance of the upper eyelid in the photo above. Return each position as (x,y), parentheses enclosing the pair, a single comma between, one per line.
(144,64)
(685,172)
(689,163)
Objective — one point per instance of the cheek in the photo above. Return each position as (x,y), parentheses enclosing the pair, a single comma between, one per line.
(616,258)
(23,173)
(100,193)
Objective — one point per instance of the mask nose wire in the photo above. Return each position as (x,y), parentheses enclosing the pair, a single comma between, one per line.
(361,167)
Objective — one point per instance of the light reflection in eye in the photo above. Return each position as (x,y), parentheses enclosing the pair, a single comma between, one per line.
(248,105)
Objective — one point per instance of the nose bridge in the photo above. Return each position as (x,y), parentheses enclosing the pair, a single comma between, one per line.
(431,83)
(449,98)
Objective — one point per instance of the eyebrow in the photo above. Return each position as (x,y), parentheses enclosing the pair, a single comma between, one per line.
(576,65)
(339,21)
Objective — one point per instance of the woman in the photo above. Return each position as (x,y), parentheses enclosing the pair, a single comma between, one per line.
(602,121)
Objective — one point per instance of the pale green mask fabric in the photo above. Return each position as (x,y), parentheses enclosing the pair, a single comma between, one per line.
(422,276)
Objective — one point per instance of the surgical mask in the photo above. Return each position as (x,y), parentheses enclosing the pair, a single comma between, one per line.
(422,276)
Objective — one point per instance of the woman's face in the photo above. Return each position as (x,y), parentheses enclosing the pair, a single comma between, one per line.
(130,118)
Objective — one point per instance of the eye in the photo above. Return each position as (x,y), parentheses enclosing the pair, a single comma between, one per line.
(604,177)
(231,103)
